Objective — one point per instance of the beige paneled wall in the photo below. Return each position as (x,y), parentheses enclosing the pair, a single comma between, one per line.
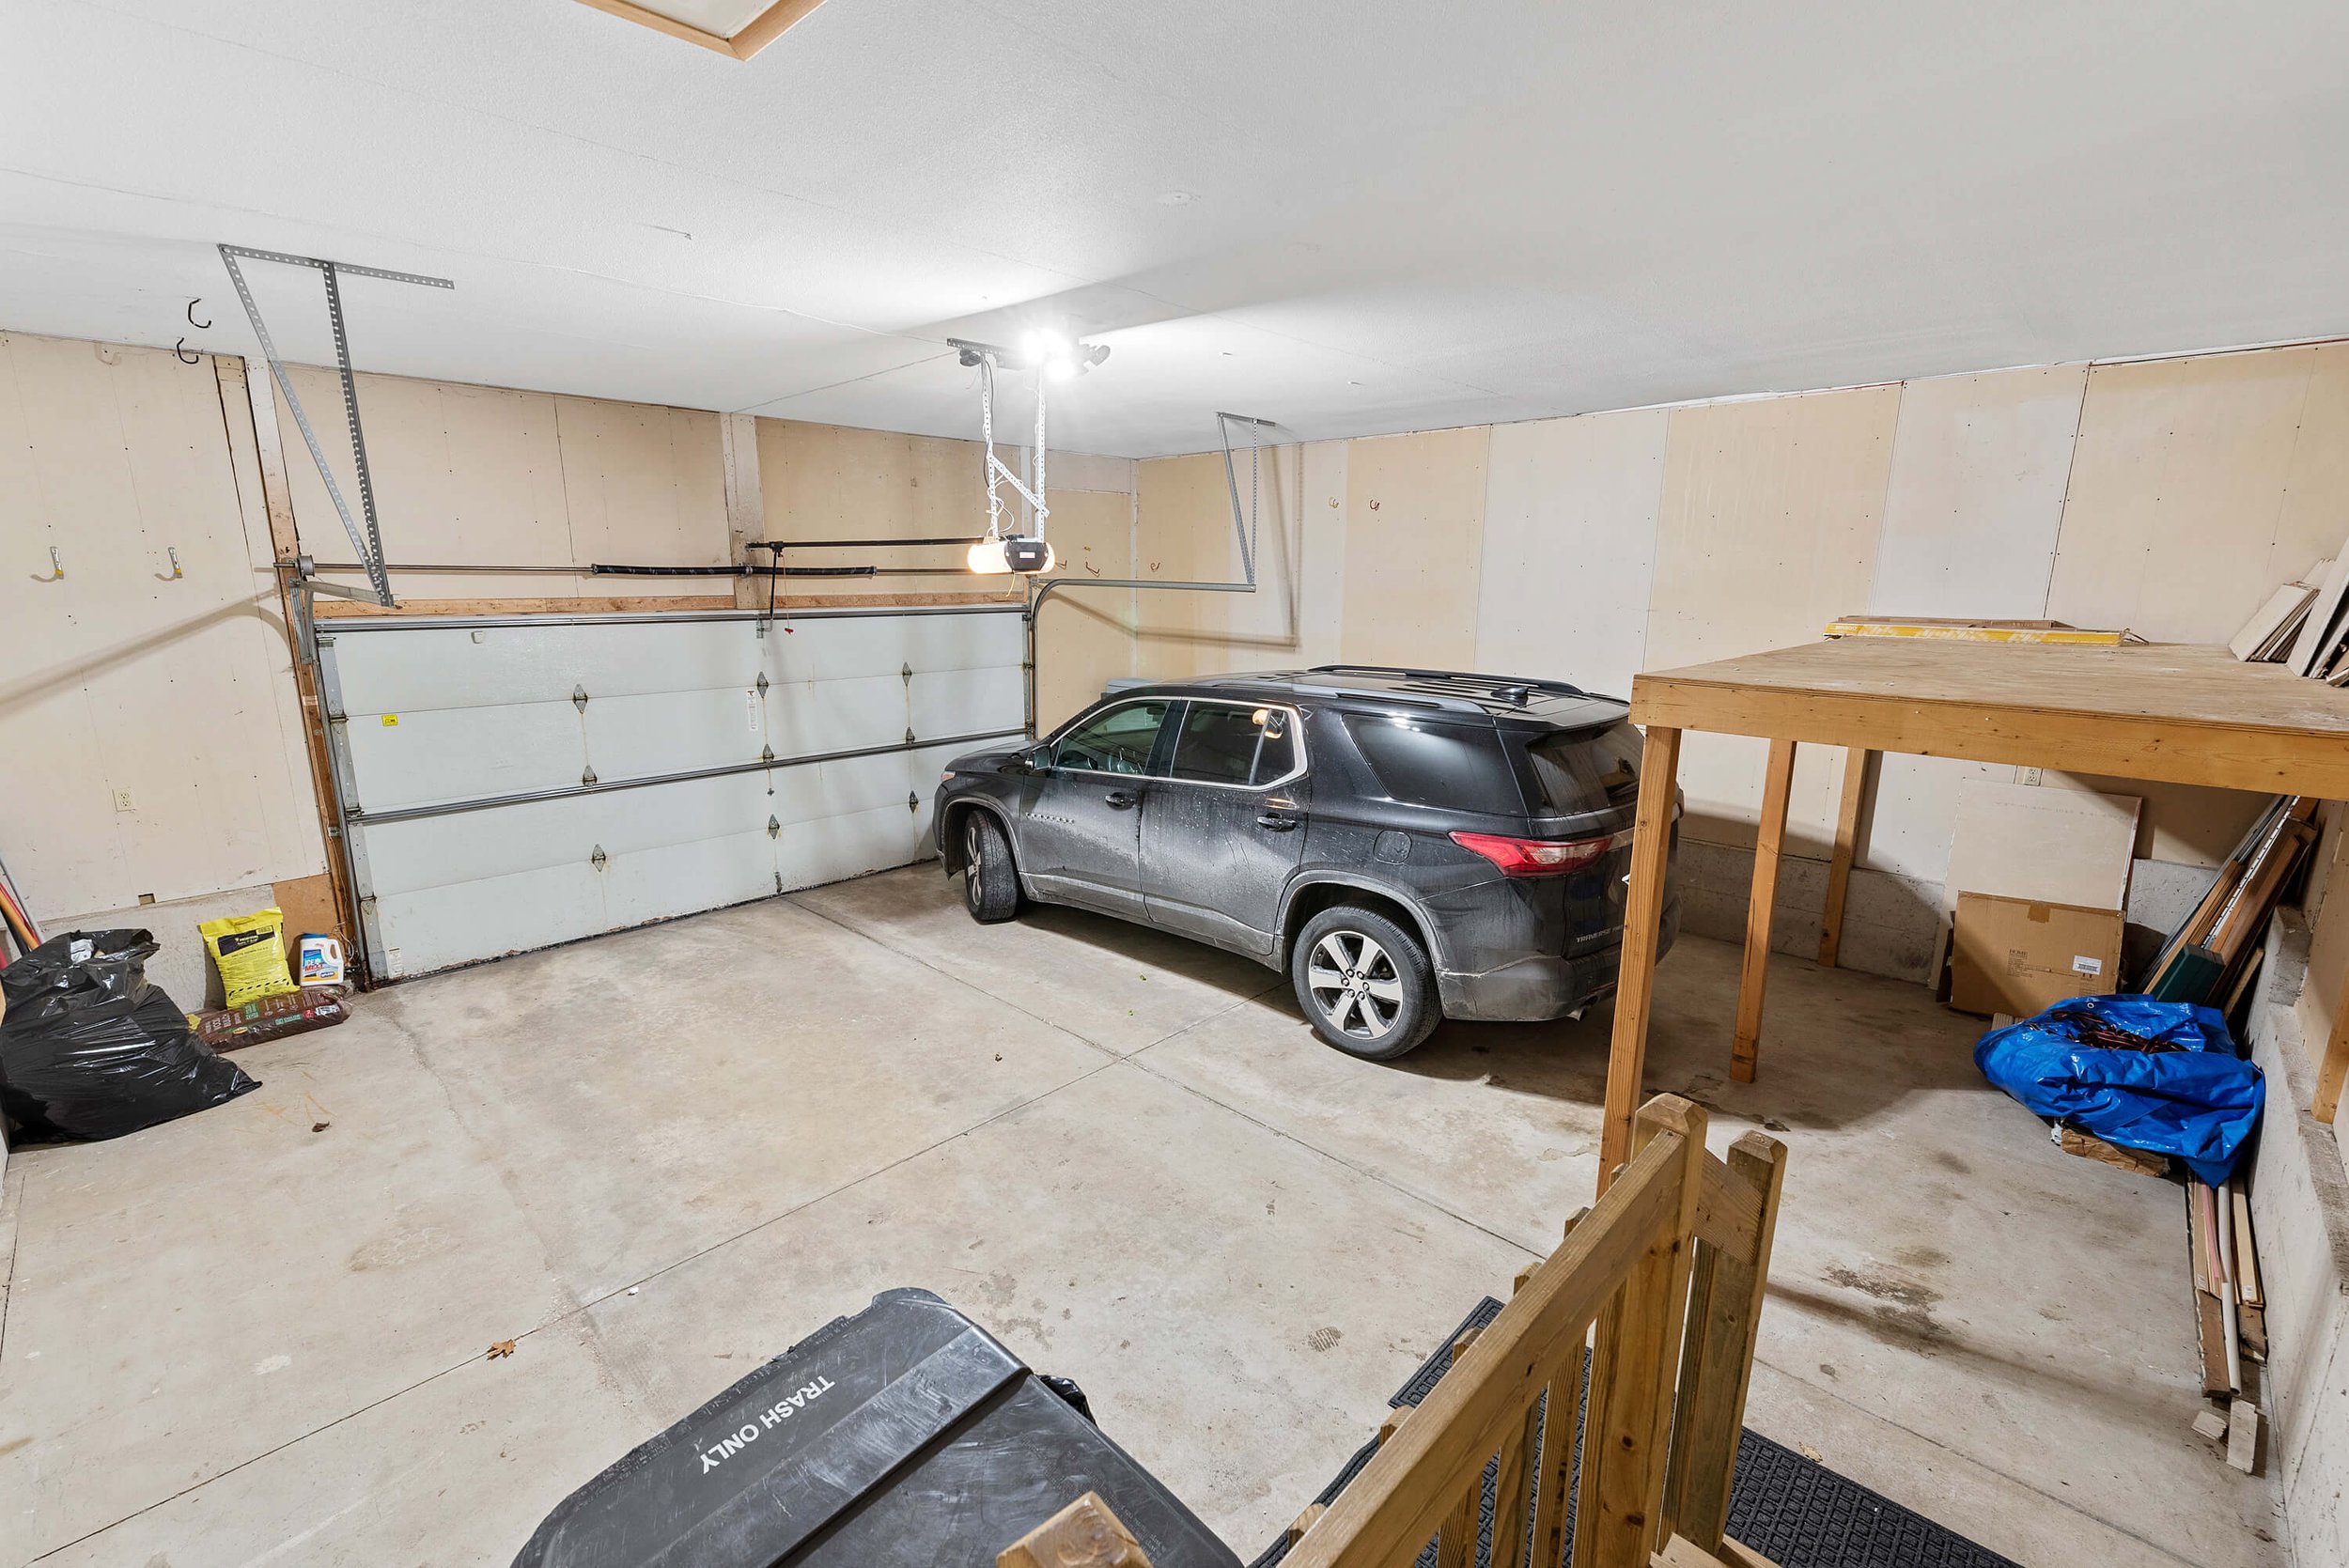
(1570,547)
(1415,538)
(2169,497)
(1766,531)
(149,743)
(475,475)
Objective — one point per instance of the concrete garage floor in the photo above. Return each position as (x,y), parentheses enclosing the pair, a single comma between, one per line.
(653,1159)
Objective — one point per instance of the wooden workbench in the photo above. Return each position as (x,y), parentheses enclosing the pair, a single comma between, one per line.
(2170,712)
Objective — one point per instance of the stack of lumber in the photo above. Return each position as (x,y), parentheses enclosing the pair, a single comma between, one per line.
(2304,624)
(2230,1316)
(1941,629)
(2214,958)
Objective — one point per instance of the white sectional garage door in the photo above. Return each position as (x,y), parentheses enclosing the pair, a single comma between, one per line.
(512,783)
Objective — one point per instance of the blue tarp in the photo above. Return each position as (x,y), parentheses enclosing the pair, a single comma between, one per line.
(2190,1094)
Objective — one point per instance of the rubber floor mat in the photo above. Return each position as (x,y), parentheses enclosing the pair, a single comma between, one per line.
(1794,1511)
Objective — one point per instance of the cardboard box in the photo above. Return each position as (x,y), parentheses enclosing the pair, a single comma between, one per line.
(2050,843)
(2013,955)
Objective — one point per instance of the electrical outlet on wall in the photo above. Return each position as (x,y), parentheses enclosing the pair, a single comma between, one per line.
(123,801)
(2026,775)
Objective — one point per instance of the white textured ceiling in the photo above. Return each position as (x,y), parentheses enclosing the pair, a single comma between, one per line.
(1350,216)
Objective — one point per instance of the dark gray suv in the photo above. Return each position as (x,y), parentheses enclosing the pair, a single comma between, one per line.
(1408,845)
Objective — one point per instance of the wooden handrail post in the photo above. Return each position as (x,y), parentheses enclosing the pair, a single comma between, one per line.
(1627,1423)
(1717,1361)
(1084,1534)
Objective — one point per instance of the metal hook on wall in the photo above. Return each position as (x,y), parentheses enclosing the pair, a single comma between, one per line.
(184,354)
(56,567)
(176,573)
(199,326)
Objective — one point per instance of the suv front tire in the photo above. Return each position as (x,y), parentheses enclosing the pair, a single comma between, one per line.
(991,883)
(1364,983)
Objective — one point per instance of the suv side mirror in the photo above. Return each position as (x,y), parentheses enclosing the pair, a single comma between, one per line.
(1036,758)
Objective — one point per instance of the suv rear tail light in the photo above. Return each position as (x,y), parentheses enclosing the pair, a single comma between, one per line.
(1534,857)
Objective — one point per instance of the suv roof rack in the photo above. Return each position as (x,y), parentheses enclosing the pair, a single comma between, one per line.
(1511,690)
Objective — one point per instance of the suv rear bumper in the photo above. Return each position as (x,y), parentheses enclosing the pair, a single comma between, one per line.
(1542,986)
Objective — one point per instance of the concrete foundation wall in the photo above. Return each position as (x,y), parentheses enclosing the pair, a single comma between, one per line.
(2300,1214)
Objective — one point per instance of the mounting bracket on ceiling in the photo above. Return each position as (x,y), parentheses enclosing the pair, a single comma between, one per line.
(369,543)
(1053,359)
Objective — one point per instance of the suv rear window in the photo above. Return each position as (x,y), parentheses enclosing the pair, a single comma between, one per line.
(1423,764)
(1575,772)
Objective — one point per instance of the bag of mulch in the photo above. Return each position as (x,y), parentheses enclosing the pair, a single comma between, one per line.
(249,951)
(272,1017)
(89,1050)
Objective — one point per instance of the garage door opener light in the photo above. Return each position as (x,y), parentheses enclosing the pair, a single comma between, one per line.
(1003,550)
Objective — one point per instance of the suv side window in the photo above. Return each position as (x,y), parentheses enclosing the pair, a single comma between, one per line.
(1226,743)
(1420,763)
(1119,741)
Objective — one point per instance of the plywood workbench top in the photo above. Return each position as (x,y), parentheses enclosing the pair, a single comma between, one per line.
(2181,712)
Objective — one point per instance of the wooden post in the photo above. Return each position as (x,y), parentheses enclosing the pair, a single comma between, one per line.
(1717,1362)
(1085,1534)
(1856,761)
(248,408)
(2334,1069)
(1745,1046)
(1643,914)
(1627,1426)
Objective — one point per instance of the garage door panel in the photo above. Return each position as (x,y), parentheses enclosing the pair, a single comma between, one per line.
(433,757)
(966,702)
(487,712)
(820,648)
(815,792)
(965,642)
(813,719)
(812,853)
(489,666)
(675,732)
(923,771)
(457,922)
(662,881)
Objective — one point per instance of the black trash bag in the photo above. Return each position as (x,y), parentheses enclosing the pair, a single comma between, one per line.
(88,1050)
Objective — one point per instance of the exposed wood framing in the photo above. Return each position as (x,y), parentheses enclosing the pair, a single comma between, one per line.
(2179,713)
(762,30)
(1754,978)
(248,409)
(634,604)
(2333,1071)
(1635,991)
(1856,763)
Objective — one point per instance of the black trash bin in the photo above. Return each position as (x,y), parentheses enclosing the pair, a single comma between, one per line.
(902,1438)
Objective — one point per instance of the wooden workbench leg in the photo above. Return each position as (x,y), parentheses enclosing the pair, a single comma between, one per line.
(2333,1070)
(1643,914)
(1855,760)
(1755,976)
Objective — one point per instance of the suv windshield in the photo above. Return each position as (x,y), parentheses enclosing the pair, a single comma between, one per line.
(1577,771)
(1423,764)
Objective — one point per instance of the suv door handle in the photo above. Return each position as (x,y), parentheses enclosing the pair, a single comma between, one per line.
(1120,800)
(1277,821)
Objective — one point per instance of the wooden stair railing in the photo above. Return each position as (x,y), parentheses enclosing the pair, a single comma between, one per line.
(1668,1268)
(1663,1279)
